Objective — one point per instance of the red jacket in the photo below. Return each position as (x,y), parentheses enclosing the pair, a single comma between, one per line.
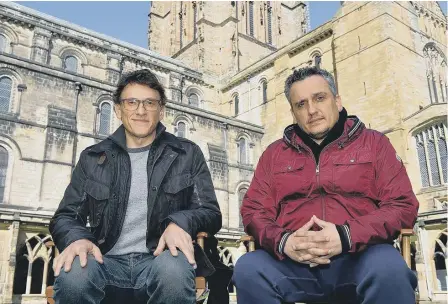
(359,181)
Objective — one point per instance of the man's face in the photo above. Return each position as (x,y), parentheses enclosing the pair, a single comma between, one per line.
(140,123)
(314,106)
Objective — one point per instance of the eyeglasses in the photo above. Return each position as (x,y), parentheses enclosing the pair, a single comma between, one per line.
(132,104)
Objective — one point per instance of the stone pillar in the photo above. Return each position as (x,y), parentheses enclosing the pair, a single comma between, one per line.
(7,294)
(40,48)
(44,277)
(113,69)
(59,147)
(176,86)
(420,269)
(21,88)
(240,251)
(28,276)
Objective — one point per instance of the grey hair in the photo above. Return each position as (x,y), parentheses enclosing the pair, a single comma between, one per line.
(303,73)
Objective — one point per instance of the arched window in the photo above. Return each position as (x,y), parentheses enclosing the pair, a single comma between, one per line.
(241,194)
(39,251)
(440,258)
(5,94)
(194,96)
(105,117)
(269,23)
(422,160)
(242,149)
(193,100)
(181,129)
(236,100)
(37,276)
(3,171)
(251,18)
(3,43)
(443,151)
(432,155)
(71,64)
(264,89)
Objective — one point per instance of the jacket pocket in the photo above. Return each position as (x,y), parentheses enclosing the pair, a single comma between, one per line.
(178,190)
(289,167)
(97,196)
(353,174)
(292,179)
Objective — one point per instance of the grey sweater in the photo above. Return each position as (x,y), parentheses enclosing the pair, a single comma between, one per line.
(133,234)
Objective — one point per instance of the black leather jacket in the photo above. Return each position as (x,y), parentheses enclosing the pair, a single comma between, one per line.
(180,190)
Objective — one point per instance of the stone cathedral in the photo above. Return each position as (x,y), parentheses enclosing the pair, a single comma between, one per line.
(223,65)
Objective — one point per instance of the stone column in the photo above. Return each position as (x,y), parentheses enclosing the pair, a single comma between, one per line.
(176,86)
(7,294)
(40,48)
(44,277)
(113,70)
(28,276)
(21,88)
(420,269)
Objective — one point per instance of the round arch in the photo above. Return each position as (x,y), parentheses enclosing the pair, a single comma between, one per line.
(184,117)
(442,260)
(426,124)
(78,54)
(193,90)
(11,37)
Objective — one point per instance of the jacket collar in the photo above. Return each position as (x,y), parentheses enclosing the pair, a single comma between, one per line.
(119,138)
(352,127)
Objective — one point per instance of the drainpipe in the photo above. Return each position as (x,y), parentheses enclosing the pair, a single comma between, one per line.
(423,245)
(78,89)
(250,101)
(226,127)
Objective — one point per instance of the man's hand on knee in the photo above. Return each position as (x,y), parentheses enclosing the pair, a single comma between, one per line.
(175,238)
(79,248)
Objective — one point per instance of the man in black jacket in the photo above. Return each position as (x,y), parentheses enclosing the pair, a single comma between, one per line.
(135,202)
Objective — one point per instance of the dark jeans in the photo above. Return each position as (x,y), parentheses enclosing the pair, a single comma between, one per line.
(163,279)
(378,275)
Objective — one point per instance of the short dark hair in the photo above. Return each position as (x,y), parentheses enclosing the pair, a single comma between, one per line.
(143,77)
(303,73)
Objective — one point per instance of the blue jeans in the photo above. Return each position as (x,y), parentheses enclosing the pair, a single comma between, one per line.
(163,279)
(377,275)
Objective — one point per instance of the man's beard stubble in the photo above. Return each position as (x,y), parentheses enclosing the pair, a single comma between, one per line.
(320,135)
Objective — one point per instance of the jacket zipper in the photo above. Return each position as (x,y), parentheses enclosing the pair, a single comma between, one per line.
(321,192)
(317,164)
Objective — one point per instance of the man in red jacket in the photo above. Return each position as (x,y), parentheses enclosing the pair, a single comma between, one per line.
(325,204)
